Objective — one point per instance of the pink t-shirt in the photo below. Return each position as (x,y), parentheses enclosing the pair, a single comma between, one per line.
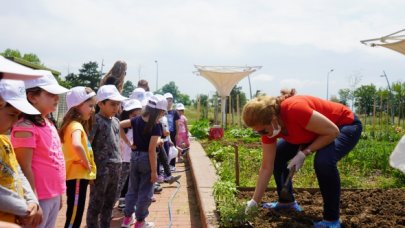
(48,164)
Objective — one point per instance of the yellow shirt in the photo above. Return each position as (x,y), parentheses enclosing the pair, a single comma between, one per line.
(9,177)
(74,167)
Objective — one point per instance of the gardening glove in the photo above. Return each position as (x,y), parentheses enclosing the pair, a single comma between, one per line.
(297,161)
(250,205)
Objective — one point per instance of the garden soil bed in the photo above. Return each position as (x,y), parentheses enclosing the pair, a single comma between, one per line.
(359,208)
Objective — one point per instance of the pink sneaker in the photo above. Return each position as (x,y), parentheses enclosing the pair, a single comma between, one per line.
(128,221)
(144,224)
(160,178)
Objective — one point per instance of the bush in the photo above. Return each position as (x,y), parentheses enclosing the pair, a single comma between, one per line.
(200,129)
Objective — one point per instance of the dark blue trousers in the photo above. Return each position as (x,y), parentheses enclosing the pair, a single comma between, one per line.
(325,165)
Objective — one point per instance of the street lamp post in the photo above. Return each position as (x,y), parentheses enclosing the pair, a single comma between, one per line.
(327,83)
(391,99)
(157,74)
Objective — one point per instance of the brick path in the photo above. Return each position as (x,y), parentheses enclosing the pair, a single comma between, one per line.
(185,212)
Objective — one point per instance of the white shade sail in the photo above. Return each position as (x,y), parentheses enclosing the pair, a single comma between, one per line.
(224,78)
(16,71)
(394,41)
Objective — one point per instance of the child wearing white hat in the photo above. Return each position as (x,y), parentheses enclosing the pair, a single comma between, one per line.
(182,140)
(131,108)
(18,201)
(38,147)
(105,138)
(143,175)
(79,158)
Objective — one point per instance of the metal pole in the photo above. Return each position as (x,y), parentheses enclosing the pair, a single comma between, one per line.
(157,74)
(327,83)
(250,87)
(391,98)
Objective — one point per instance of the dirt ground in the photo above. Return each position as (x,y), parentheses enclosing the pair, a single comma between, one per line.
(359,208)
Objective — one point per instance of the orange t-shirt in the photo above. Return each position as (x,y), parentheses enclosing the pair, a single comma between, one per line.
(296,112)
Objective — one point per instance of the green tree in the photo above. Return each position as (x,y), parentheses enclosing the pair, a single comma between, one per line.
(237,90)
(172,88)
(344,96)
(88,76)
(365,96)
(11,53)
(33,58)
(128,88)
(184,99)
(398,88)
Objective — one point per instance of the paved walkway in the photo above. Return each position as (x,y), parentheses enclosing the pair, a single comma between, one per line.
(185,211)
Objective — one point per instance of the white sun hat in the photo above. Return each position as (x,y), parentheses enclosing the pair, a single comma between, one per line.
(109,92)
(157,101)
(77,95)
(46,82)
(13,92)
(131,104)
(180,106)
(12,70)
(168,95)
(138,94)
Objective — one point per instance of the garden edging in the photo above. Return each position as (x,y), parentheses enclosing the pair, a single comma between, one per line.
(204,176)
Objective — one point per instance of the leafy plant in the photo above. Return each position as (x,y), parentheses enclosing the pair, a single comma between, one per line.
(200,129)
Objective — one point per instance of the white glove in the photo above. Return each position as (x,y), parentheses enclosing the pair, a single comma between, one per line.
(250,205)
(297,161)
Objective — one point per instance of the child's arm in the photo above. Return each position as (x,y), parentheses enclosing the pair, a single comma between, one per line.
(125,124)
(152,157)
(12,203)
(34,217)
(78,147)
(24,157)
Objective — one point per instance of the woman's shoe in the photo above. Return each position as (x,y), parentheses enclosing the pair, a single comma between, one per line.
(294,206)
(326,224)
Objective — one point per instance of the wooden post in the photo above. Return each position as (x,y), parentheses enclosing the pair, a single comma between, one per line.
(199,107)
(238,110)
(230,109)
(208,105)
(374,114)
(215,109)
(237,168)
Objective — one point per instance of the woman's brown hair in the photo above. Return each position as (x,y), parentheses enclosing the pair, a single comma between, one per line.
(263,109)
(118,71)
(73,114)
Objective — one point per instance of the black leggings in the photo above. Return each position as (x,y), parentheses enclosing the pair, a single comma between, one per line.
(162,160)
(75,192)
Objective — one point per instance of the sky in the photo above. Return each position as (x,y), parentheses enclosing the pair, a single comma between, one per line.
(296,42)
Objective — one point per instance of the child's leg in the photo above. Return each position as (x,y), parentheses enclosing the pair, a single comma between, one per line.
(50,209)
(123,178)
(76,197)
(162,159)
(145,189)
(114,171)
(97,197)
(132,195)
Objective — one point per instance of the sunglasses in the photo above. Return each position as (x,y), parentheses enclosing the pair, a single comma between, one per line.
(262,132)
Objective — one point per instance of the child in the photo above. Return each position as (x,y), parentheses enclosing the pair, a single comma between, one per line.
(18,203)
(131,108)
(172,118)
(38,147)
(143,173)
(80,167)
(105,137)
(182,141)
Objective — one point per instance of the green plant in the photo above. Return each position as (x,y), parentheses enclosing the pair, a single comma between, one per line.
(200,129)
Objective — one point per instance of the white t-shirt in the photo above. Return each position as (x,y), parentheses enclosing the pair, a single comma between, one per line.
(165,125)
(125,149)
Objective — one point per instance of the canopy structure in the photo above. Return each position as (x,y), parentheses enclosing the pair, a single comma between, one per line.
(394,41)
(224,78)
(16,71)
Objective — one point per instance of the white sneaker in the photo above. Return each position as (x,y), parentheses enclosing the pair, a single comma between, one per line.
(144,224)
